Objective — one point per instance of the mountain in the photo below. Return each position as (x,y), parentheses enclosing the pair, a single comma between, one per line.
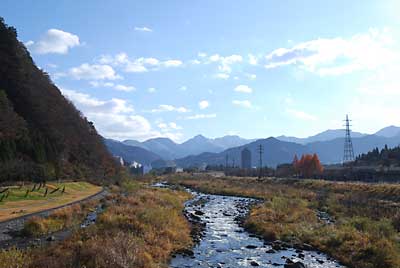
(131,153)
(230,141)
(326,135)
(169,150)
(199,144)
(389,132)
(278,152)
(42,135)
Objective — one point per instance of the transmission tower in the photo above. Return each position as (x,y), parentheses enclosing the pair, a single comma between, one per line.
(260,150)
(348,155)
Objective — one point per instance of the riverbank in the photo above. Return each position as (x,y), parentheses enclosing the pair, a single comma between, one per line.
(139,227)
(362,230)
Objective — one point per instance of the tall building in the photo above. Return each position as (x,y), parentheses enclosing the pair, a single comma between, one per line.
(246,158)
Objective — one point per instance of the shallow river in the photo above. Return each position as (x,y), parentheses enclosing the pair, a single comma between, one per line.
(226,244)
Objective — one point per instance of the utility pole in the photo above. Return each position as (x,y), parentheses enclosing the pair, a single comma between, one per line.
(260,151)
(348,155)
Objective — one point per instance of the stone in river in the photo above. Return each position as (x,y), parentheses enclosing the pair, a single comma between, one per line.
(254,263)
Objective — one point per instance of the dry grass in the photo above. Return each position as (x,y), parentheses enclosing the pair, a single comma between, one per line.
(140,228)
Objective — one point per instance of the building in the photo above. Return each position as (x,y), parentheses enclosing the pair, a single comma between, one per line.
(246,158)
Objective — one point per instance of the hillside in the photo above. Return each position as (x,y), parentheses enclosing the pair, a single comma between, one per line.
(42,135)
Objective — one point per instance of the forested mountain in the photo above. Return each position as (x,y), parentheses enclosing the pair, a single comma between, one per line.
(42,135)
(131,153)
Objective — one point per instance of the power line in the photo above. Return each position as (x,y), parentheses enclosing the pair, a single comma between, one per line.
(348,155)
(260,150)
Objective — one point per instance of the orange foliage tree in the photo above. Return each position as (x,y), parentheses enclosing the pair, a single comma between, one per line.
(308,165)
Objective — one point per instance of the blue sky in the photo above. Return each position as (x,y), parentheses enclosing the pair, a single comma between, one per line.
(144,69)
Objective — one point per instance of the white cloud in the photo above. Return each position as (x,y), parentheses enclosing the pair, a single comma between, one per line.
(143,29)
(222,76)
(203,104)
(200,116)
(336,56)
(251,76)
(89,104)
(118,87)
(253,60)
(172,63)
(202,54)
(113,118)
(226,62)
(183,88)
(124,88)
(243,89)
(93,72)
(54,41)
(170,108)
(138,65)
(151,90)
(301,115)
(169,126)
(242,103)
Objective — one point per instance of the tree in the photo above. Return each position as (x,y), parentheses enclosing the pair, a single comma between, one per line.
(309,165)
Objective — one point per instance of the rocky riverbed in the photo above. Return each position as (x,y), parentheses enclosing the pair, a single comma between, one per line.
(222,242)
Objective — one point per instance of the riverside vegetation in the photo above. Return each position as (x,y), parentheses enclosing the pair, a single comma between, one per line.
(140,227)
(364,219)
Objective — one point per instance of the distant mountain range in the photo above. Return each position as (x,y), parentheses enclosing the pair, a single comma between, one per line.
(131,153)
(169,150)
(278,152)
(200,150)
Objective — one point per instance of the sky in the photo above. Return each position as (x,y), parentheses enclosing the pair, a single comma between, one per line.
(145,69)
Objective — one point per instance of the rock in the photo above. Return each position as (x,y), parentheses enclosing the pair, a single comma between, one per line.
(276,247)
(307,247)
(301,256)
(294,265)
(254,263)
(320,261)
(185,252)
(271,251)
(199,213)
(251,246)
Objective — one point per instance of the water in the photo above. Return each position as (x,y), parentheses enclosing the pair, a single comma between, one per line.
(226,244)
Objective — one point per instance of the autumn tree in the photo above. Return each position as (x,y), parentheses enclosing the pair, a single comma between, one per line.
(308,165)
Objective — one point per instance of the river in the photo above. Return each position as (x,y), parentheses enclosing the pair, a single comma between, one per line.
(225,244)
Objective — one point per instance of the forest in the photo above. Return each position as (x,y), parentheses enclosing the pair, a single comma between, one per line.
(42,135)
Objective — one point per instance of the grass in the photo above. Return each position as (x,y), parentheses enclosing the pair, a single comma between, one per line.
(18,203)
(140,228)
(366,229)
(60,219)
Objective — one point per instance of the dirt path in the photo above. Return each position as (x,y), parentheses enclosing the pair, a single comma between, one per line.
(9,228)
